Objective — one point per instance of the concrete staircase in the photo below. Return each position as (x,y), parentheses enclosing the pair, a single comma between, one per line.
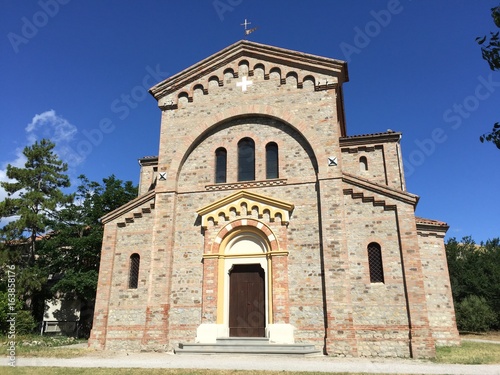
(247,345)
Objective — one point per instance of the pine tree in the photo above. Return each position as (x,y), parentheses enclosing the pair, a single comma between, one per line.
(34,196)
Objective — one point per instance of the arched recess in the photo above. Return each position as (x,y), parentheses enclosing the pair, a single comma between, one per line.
(275,73)
(182,99)
(292,79)
(244,246)
(198,91)
(309,83)
(363,163)
(259,71)
(299,128)
(243,67)
(229,74)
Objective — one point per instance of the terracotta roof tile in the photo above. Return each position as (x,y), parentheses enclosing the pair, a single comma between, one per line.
(371,134)
(421,220)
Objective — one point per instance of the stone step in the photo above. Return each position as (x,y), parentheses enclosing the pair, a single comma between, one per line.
(243,341)
(247,346)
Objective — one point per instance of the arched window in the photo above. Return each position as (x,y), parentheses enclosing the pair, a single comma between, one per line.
(220,165)
(272,160)
(375,263)
(133,277)
(246,160)
(363,163)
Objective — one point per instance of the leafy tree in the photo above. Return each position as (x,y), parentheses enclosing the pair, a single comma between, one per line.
(33,199)
(72,254)
(474,314)
(24,322)
(475,281)
(55,239)
(490,49)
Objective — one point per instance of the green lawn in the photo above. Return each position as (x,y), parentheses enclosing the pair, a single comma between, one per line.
(34,346)
(469,353)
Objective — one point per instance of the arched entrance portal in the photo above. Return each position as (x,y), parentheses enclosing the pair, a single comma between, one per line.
(243,262)
(246,283)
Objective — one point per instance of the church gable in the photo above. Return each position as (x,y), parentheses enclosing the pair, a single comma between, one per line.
(239,66)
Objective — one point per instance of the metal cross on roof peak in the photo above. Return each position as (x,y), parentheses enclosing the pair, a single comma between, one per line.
(246,23)
(248,31)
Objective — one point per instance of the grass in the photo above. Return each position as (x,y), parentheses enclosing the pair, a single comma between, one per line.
(44,346)
(37,346)
(469,353)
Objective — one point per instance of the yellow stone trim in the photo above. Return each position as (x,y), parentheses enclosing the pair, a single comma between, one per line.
(220,293)
(221,302)
(270,289)
(236,200)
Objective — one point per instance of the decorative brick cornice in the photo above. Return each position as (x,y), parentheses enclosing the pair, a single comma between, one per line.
(368,199)
(246,185)
(370,139)
(148,161)
(428,227)
(130,207)
(245,48)
(383,190)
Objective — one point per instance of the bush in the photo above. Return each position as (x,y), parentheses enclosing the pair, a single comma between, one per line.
(475,315)
(25,323)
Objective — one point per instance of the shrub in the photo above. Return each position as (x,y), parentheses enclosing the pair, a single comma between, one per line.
(25,323)
(474,315)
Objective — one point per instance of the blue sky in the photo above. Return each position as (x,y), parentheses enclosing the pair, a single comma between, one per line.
(78,72)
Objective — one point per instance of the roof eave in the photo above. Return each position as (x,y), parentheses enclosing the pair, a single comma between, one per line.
(241,48)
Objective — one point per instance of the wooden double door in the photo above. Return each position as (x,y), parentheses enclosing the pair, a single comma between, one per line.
(247,308)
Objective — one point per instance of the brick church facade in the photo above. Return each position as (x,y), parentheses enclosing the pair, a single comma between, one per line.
(261,217)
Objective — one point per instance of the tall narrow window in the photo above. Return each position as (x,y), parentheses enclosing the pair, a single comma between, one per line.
(375,263)
(363,163)
(272,160)
(246,160)
(133,277)
(220,165)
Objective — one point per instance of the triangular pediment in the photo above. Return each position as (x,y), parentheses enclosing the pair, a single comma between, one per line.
(245,203)
(323,72)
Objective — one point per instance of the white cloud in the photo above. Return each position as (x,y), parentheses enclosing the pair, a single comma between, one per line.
(45,125)
(49,125)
